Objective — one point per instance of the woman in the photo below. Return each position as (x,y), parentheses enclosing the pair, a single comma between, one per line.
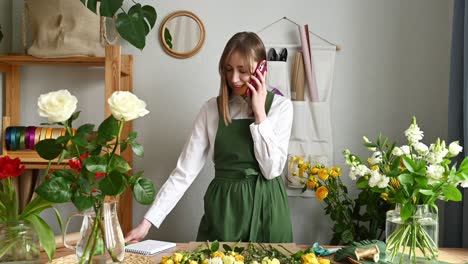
(249,136)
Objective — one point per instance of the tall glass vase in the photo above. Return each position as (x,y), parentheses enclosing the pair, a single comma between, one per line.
(102,240)
(414,240)
(19,243)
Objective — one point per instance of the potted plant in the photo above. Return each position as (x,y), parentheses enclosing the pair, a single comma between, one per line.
(133,25)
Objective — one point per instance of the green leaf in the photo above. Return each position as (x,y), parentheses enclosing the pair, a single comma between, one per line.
(464,165)
(85,129)
(214,246)
(91,5)
(137,149)
(347,236)
(407,211)
(131,26)
(48,149)
(36,206)
(59,218)
(132,135)
(362,183)
(451,193)
(81,201)
(119,164)
(143,191)
(150,15)
(113,184)
(421,180)
(409,164)
(108,129)
(227,248)
(167,37)
(406,179)
(67,175)
(123,146)
(370,145)
(109,7)
(133,179)
(96,164)
(427,192)
(55,190)
(45,234)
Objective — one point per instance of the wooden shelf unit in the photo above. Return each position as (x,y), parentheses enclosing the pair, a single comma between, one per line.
(118,76)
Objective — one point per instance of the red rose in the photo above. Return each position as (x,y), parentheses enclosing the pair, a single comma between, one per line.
(75,164)
(10,167)
(100,175)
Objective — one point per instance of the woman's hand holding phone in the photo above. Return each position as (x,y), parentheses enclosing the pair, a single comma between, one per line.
(258,91)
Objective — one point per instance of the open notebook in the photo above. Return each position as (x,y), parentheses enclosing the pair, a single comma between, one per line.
(149,247)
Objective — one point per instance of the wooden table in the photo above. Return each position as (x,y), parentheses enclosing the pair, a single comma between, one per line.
(451,255)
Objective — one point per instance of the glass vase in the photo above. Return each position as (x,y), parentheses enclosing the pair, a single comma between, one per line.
(102,240)
(414,240)
(19,243)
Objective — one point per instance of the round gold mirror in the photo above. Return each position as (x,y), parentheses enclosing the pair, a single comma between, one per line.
(182,34)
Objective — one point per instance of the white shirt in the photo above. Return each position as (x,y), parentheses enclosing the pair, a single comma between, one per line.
(270,137)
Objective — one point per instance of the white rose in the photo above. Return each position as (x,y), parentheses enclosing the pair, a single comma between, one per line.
(352,173)
(57,106)
(376,158)
(455,148)
(378,180)
(405,149)
(397,151)
(361,170)
(126,106)
(434,173)
(228,260)
(275,261)
(421,148)
(464,184)
(413,133)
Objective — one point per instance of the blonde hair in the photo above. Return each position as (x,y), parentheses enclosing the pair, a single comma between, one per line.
(251,48)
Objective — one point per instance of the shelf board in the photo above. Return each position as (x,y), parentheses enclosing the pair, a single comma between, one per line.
(69,61)
(32,160)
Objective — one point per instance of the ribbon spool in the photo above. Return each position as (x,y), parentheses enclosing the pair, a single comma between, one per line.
(370,253)
(25,138)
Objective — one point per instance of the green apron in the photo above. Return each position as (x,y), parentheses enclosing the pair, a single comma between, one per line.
(240,204)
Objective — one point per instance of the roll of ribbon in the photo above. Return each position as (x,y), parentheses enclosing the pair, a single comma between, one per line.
(43,133)
(49,133)
(56,132)
(37,135)
(22,141)
(31,136)
(17,138)
(8,138)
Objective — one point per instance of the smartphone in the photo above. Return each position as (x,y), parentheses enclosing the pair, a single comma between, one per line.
(262,67)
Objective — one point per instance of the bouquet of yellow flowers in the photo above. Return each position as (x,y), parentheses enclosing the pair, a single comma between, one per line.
(250,254)
(351,223)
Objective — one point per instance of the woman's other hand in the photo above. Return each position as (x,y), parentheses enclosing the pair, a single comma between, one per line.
(139,232)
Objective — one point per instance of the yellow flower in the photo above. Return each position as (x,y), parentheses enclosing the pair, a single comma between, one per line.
(169,261)
(217,254)
(311,184)
(313,170)
(384,196)
(177,257)
(239,258)
(323,174)
(321,193)
(275,261)
(164,259)
(375,167)
(205,261)
(335,172)
(266,260)
(309,259)
(395,183)
(301,173)
(323,261)
(193,262)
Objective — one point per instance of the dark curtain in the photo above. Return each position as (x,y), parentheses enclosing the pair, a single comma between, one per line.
(455,231)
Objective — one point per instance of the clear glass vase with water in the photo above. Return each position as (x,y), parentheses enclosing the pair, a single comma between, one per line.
(102,240)
(414,240)
(19,243)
